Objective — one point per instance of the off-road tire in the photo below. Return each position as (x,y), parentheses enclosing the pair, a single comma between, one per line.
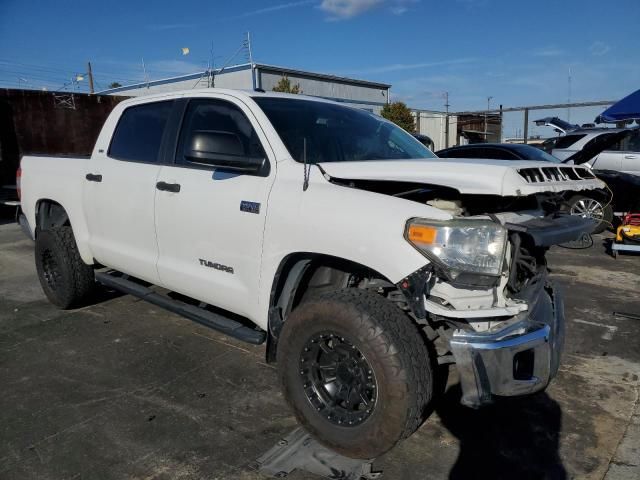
(66,280)
(607,210)
(392,346)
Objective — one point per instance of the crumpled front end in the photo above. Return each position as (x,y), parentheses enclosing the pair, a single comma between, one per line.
(518,356)
(504,332)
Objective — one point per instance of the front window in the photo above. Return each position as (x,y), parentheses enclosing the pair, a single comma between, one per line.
(325,132)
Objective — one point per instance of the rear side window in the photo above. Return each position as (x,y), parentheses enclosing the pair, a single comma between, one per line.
(633,142)
(568,140)
(218,128)
(139,132)
(630,143)
(459,153)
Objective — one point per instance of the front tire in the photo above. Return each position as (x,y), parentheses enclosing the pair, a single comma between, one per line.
(65,279)
(355,371)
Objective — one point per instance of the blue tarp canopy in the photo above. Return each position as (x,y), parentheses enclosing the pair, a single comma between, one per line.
(626,109)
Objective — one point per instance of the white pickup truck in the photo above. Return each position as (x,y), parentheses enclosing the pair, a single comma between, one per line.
(361,259)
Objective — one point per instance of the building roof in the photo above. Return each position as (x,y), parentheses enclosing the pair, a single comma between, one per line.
(247,66)
(237,93)
(323,76)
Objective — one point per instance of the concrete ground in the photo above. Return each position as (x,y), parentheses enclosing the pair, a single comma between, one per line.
(122,389)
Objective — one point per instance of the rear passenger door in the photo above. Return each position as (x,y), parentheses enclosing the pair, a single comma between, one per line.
(210,221)
(119,191)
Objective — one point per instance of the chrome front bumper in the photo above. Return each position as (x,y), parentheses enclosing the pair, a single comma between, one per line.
(519,358)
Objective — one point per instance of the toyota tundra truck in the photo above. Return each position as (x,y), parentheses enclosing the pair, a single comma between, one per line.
(359,258)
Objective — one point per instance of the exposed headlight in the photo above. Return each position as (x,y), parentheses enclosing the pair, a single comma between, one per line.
(474,246)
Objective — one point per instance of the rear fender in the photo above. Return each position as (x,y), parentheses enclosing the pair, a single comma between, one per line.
(50,214)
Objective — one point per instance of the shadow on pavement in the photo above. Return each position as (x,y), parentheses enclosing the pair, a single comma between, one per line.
(511,439)
(7,214)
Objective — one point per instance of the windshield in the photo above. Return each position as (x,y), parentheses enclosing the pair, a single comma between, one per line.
(333,133)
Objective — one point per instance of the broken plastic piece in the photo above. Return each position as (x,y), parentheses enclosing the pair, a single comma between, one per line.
(299,450)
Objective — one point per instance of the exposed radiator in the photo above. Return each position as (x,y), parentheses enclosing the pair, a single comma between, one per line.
(555,174)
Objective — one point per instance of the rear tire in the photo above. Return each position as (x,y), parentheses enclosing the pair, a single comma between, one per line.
(588,207)
(65,279)
(382,375)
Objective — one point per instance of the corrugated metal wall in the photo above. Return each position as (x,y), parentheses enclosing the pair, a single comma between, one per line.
(433,124)
(238,79)
(361,96)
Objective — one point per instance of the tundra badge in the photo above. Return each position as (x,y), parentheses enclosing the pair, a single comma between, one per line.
(217,266)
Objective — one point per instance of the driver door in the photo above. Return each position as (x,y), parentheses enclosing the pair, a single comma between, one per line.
(210,222)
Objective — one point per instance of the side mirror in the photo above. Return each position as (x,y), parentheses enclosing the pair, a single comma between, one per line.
(223,150)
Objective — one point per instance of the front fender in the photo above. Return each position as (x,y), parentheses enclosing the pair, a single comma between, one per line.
(362,227)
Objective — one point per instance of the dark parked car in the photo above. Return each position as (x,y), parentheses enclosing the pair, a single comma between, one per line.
(425,140)
(598,205)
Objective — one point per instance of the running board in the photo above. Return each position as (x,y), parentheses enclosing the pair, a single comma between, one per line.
(200,315)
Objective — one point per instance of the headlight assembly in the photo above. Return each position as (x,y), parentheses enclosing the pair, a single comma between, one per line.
(461,245)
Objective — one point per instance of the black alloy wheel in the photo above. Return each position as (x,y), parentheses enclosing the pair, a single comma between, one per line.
(338,380)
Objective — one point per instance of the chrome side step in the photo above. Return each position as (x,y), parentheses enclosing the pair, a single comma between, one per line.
(204,317)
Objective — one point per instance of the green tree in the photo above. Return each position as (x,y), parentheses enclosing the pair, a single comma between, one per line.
(399,113)
(285,86)
(114,85)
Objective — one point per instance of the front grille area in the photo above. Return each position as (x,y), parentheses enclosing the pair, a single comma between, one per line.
(555,174)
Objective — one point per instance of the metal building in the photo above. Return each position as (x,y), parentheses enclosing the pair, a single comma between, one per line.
(371,96)
(434,125)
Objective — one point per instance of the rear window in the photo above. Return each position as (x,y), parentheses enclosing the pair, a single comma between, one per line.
(478,152)
(456,153)
(139,132)
(529,152)
(568,140)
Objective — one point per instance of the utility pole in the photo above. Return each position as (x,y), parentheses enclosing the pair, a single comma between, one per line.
(249,48)
(446,126)
(90,74)
(144,69)
(252,65)
(501,132)
(486,120)
(569,97)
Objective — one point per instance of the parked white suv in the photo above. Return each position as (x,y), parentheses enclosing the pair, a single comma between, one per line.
(613,148)
(361,259)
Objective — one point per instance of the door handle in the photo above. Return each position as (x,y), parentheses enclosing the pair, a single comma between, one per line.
(630,157)
(93,177)
(168,187)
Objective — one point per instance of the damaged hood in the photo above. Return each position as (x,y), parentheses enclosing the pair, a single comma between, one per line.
(472,176)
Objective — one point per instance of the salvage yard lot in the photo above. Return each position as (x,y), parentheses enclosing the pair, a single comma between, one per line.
(123,389)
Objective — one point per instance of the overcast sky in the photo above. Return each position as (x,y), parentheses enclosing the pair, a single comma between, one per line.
(517,52)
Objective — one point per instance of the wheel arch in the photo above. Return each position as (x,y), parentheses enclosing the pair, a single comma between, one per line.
(49,213)
(305,273)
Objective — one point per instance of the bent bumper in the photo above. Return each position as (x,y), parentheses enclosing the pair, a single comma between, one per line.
(520,358)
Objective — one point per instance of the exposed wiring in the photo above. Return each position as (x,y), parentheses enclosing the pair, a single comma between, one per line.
(607,204)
